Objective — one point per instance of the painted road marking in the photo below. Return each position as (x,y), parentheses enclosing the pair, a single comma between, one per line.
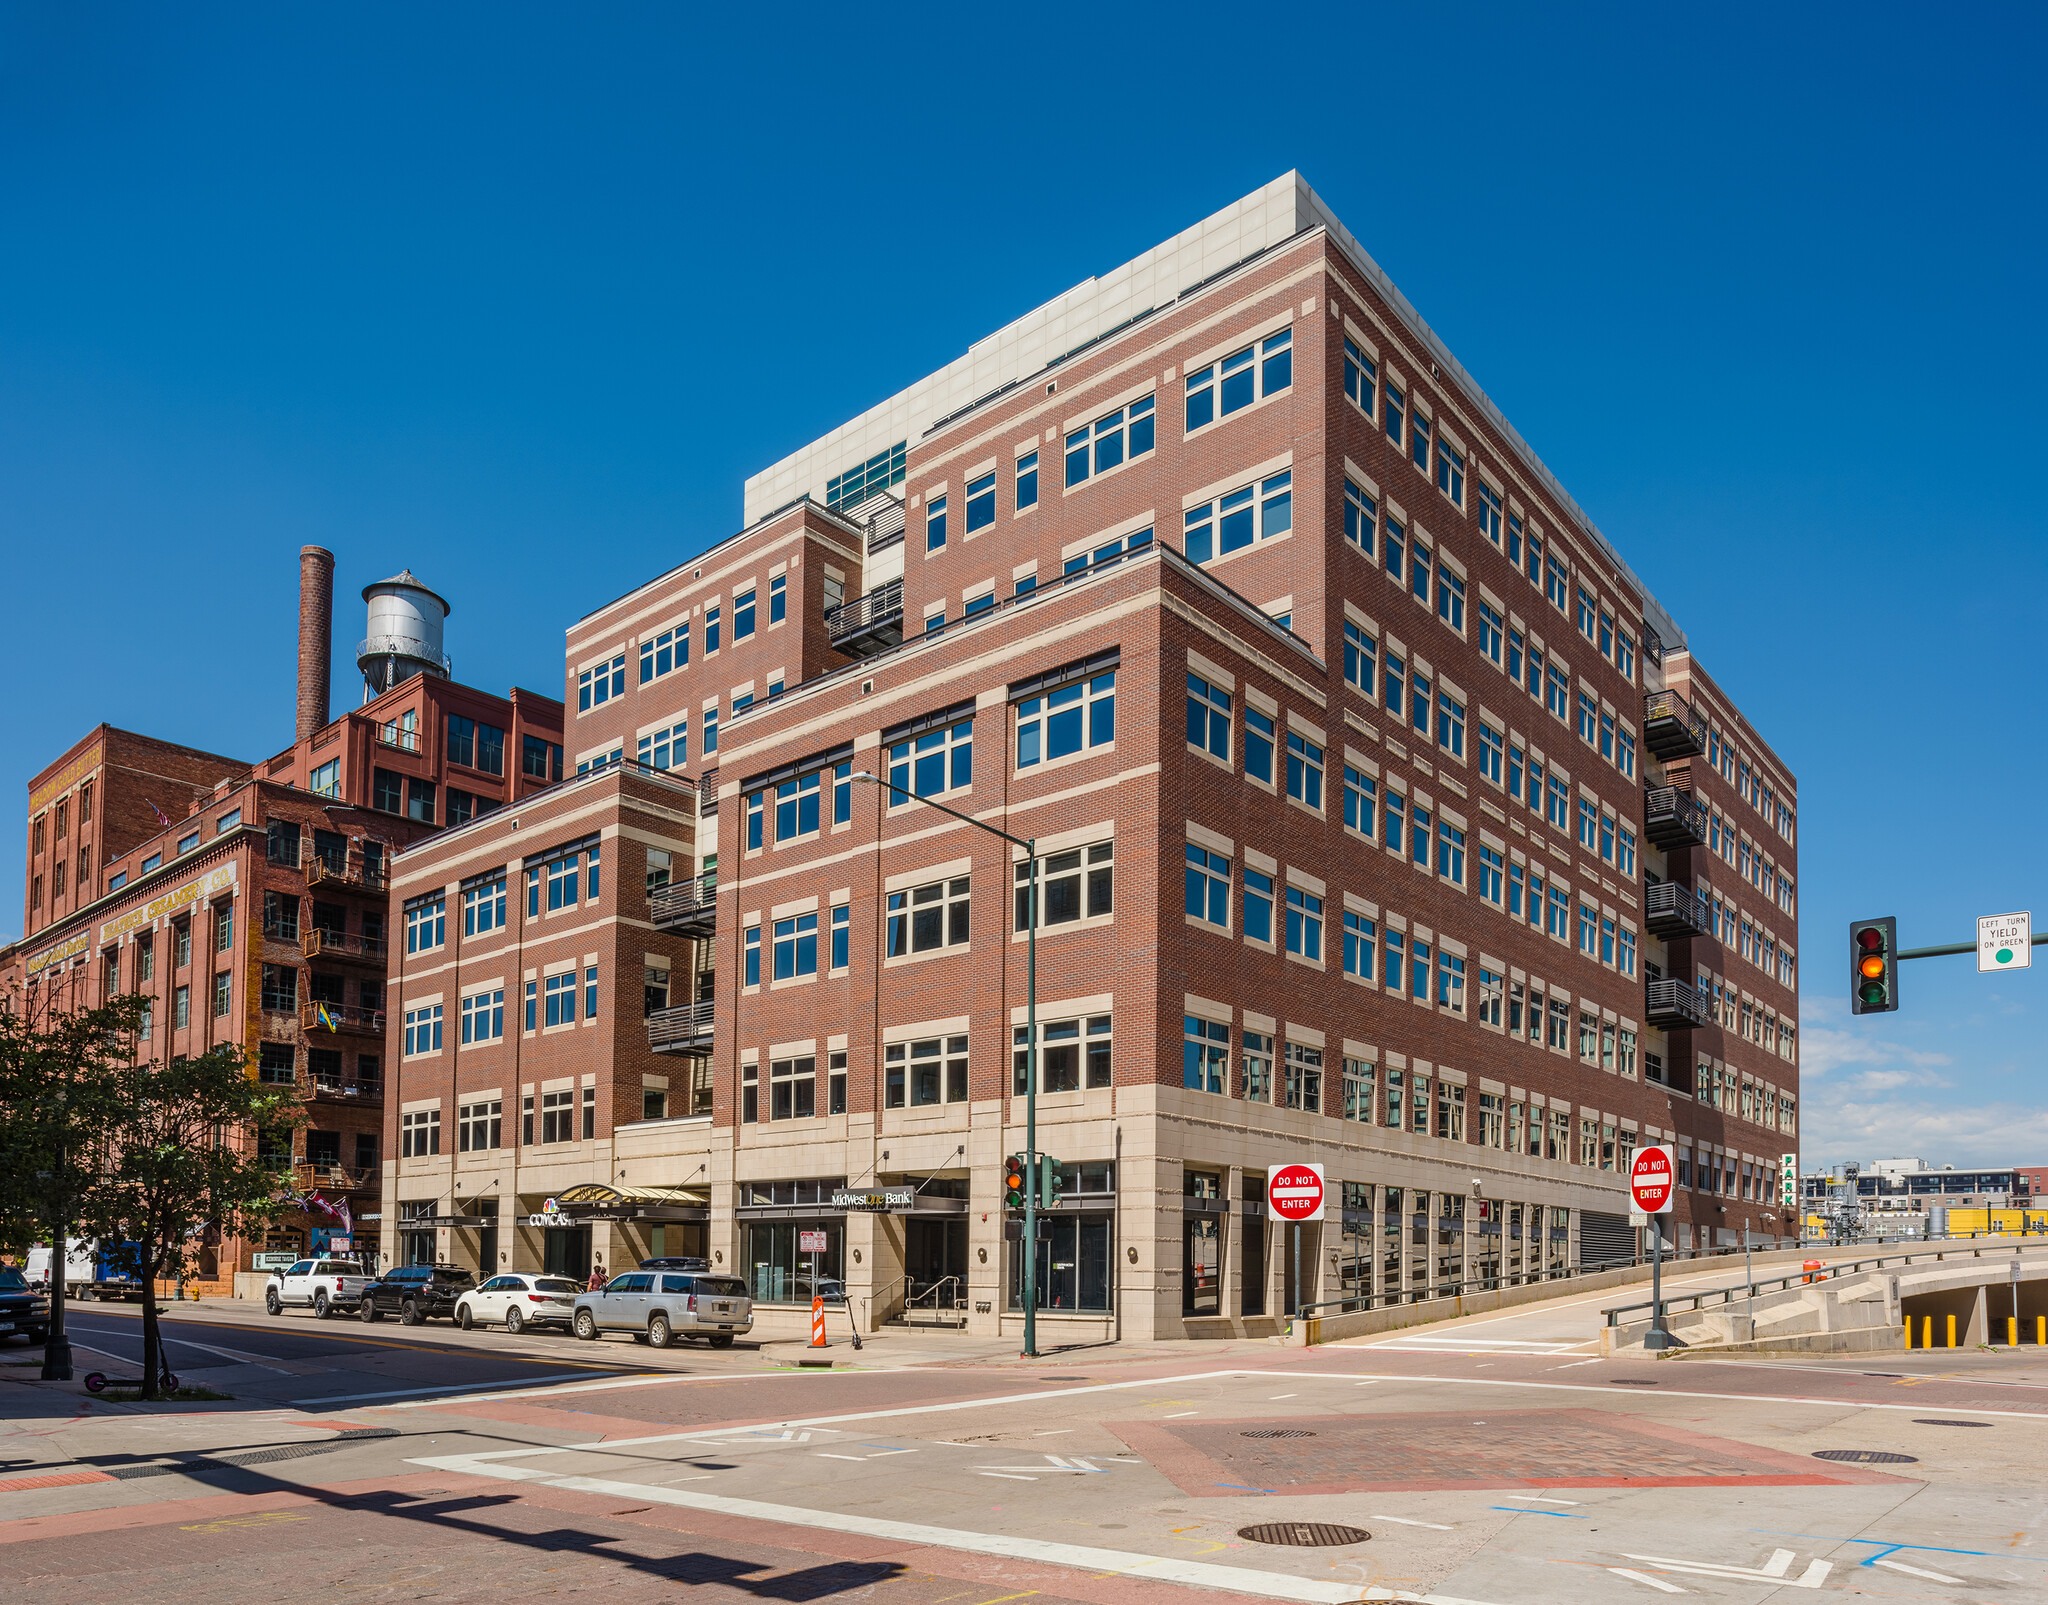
(1110,1562)
(460,1388)
(1778,1570)
(1645,1577)
(1915,1571)
(1542,1500)
(1409,1521)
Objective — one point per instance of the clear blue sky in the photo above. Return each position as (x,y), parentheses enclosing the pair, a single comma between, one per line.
(518,297)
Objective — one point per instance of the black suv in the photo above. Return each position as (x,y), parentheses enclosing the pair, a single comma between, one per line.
(414,1292)
(22,1312)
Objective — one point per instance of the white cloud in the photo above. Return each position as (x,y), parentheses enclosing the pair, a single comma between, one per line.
(1823,1049)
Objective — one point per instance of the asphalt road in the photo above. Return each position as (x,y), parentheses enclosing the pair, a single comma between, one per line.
(1481,1472)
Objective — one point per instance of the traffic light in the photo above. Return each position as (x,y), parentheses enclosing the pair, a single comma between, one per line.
(1873,966)
(1052,1181)
(1014,1172)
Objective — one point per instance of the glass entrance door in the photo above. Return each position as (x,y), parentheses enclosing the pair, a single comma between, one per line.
(567,1251)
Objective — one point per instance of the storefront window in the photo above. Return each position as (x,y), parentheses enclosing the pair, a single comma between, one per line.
(778,1269)
(1073,1265)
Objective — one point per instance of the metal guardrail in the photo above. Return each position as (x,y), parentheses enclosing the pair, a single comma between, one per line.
(1671,908)
(865,612)
(1802,1276)
(1670,727)
(352,874)
(336,1017)
(1359,1302)
(1672,817)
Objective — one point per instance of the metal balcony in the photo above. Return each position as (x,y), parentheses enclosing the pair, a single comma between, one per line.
(1670,728)
(684,1030)
(352,874)
(868,624)
(707,794)
(1674,818)
(1676,912)
(687,908)
(885,529)
(339,1018)
(318,943)
(1674,1006)
(364,1093)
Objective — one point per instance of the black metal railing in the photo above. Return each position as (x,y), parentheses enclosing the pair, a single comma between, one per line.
(1675,1006)
(1672,910)
(319,943)
(337,1017)
(1674,818)
(687,907)
(872,616)
(1670,727)
(352,873)
(683,1029)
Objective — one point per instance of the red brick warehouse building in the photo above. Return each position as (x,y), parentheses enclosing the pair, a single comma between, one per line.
(1385,820)
(248,902)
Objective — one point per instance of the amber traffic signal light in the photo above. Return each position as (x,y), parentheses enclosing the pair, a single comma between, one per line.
(1873,966)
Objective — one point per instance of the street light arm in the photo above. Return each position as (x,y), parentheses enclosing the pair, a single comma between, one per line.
(1016,841)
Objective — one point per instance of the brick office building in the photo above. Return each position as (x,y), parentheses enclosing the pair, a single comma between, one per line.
(1369,785)
(258,915)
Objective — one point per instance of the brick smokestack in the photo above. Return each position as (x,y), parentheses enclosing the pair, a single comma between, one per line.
(316,635)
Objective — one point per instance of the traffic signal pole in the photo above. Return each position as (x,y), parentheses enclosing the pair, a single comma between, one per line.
(2038,940)
(1030,846)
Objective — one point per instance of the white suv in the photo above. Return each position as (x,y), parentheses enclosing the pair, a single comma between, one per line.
(519,1300)
(666,1305)
(323,1285)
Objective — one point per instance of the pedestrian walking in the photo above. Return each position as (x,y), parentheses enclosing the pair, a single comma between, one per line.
(596,1276)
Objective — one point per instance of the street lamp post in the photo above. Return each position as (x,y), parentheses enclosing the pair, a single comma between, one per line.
(1031,1169)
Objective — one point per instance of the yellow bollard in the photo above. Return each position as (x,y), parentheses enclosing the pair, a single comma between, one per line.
(2012,1331)
(1951,1331)
(1926,1331)
(2041,1330)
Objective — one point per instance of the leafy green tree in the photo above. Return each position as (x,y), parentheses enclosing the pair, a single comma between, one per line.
(181,1156)
(56,1102)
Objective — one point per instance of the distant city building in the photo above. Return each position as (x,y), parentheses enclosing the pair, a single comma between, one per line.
(249,903)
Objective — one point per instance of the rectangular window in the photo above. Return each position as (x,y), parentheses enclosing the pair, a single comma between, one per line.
(1361,377)
(1491,875)
(1304,771)
(1303,1084)
(1450,473)
(842,935)
(926,918)
(1361,659)
(1395,549)
(1259,733)
(1222,388)
(1072,719)
(1027,481)
(1560,913)
(1393,413)
(558,1116)
(932,763)
(1450,724)
(1586,613)
(1234,521)
(563,880)
(1554,585)
(793,1088)
(1361,518)
(532,1004)
(751,958)
(1072,885)
(1625,852)
(667,748)
(1072,1054)
(1589,925)
(1205,1055)
(223,992)
(1258,1067)
(1125,434)
(796,808)
(1258,905)
(1393,815)
(601,682)
(1393,954)
(778,599)
(660,654)
(1489,632)
(1450,852)
(426,925)
(1304,924)
(480,1126)
(423,1030)
(796,947)
(1558,804)
(1208,718)
(483,1016)
(590,995)
(483,907)
(935,524)
(743,615)
(1361,947)
(1208,887)
(1418,568)
(1360,802)
(419,1133)
(1418,439)
(538,759)
(560,992)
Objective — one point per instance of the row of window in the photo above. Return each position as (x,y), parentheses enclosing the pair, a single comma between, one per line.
(1413,436)
(664,652)
(1753,1021)
(1071,886)
(480,1125)
(563,879)
(549,1002)
(1748,782)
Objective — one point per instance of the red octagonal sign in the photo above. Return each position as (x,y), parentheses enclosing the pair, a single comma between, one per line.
(1651,1180)
(1295,1192)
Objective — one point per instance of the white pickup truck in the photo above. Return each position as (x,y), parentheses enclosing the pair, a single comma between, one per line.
(322,1285)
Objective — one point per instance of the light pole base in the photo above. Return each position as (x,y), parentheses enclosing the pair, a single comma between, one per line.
(1657,1339)
(57,1360)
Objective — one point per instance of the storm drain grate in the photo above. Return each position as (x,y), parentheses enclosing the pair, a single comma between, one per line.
(1934,1421)
(1631,1382)
(1303,1534)
(1277,1432)
(1866,1457)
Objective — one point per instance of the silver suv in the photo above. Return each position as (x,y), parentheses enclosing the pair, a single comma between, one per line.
(666,1305)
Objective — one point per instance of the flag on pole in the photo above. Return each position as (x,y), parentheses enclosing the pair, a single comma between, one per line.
(162,818)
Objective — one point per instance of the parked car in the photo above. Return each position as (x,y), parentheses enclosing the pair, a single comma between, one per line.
(519,1300)
(415,1292)
(321,1285)
(23,1312)
(665,1305)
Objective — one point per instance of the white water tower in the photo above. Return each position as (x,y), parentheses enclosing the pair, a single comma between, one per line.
(404,634)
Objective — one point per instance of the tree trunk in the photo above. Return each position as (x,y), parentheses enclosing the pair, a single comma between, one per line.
(152,1340)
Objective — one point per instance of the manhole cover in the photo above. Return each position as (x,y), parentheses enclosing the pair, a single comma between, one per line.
(1867,1457)
(1277,1432)
(1303,1534)
(1630,1382)
(1932,1421)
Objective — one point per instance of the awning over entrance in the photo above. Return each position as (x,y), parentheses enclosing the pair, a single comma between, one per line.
(596,1200)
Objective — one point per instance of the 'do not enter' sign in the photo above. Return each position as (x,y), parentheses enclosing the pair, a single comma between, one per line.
(1652,1180)
(1295,1192)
